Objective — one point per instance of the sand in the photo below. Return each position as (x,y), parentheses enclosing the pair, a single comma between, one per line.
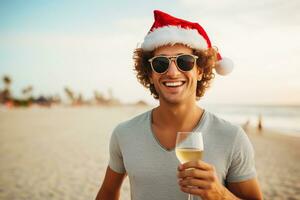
(62,153)
(277,163)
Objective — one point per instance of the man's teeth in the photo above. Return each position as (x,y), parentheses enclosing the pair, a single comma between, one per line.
(174,84)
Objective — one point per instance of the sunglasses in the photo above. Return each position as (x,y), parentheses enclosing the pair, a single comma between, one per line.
(184,62)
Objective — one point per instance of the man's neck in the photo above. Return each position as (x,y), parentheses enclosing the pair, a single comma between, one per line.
(183,117)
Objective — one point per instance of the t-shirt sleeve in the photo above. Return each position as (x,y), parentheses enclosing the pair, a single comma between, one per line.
(242,165)
(115,155)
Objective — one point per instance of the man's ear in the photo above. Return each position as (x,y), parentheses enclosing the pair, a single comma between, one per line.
(151,80)
(200,74)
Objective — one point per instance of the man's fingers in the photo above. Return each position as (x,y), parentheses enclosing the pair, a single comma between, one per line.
(196,173)
(195,164)
(199,183)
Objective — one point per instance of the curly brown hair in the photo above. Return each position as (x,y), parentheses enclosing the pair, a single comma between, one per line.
(205,62)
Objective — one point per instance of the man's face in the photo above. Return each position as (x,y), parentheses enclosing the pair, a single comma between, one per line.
(175,86)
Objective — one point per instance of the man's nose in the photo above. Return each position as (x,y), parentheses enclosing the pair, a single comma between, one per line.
(173,70)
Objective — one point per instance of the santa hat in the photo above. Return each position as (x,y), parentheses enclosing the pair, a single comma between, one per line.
(167,30)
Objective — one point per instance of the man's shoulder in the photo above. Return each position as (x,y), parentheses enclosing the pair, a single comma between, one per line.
(222,127)
(225,134)
(137,122)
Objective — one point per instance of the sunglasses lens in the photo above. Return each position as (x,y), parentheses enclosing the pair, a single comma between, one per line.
(186,62)
(160,64)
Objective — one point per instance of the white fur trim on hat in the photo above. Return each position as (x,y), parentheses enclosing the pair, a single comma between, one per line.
(173,35)
(224,66)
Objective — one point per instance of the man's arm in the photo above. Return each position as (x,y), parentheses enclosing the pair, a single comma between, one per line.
(110,189)
(246,190)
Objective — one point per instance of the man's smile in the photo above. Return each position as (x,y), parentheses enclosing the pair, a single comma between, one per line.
(173,83)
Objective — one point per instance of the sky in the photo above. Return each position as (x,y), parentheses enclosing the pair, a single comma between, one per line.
(88,46)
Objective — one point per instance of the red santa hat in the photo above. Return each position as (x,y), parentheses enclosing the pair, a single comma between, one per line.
(167,30)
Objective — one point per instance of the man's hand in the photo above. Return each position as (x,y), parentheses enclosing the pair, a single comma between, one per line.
(200,178)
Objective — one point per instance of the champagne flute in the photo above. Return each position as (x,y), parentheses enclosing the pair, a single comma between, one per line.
(189,147)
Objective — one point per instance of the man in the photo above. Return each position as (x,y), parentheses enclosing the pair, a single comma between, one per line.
(176,62)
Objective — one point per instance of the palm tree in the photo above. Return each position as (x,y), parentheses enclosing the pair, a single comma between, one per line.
(70,94)
(98,96)
(7,81)
(80,99)
(27,92)
(5,94)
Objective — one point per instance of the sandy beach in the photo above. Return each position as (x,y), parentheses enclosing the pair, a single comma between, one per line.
(62,153)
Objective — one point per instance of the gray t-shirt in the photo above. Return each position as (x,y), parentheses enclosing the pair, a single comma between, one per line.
(152,169)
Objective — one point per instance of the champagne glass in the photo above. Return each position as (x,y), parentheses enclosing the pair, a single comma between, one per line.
(189,147)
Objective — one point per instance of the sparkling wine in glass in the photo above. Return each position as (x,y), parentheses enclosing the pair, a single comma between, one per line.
(189,147)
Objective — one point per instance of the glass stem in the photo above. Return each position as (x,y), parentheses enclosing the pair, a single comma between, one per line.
(191,197)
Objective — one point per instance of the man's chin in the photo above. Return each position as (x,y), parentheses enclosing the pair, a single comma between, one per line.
(173,100)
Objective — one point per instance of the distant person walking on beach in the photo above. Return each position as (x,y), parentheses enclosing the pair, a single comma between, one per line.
(259,123)
(176,62)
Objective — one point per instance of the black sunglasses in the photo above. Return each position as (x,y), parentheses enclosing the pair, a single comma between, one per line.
(184,62)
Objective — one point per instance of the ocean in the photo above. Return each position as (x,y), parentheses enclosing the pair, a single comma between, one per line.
(285,119)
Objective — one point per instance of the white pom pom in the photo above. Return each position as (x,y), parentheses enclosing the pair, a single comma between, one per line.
(224,66)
